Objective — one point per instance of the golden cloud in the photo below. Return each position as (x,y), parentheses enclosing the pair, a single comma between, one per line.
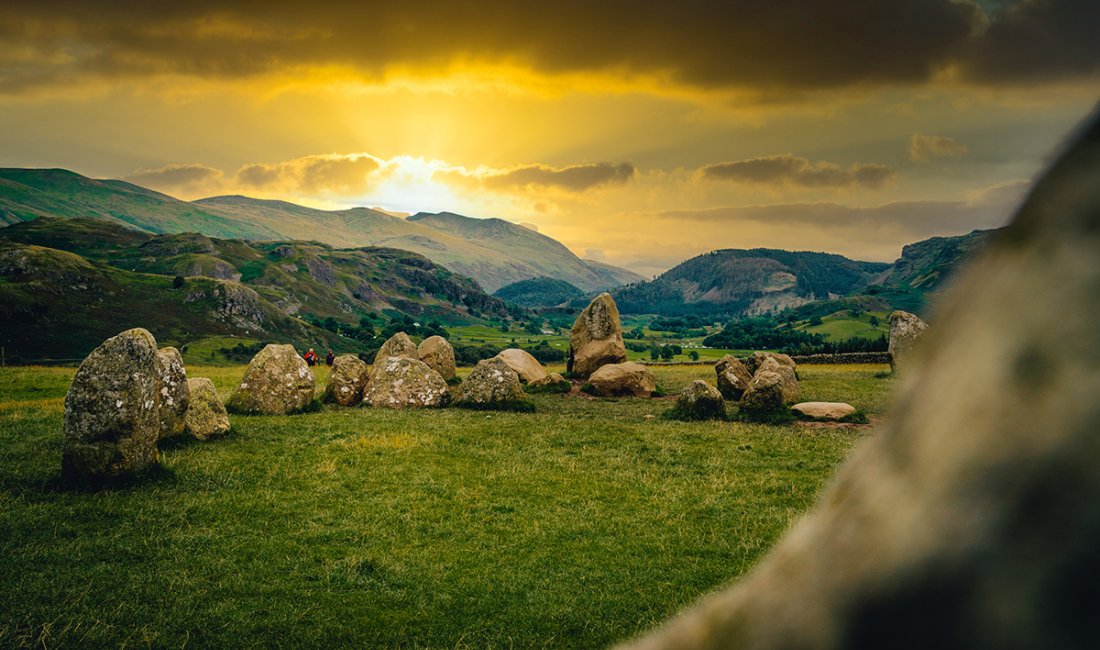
(924,148)
(786,169)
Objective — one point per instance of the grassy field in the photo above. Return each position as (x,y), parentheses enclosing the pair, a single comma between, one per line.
(576,526)
(843,325)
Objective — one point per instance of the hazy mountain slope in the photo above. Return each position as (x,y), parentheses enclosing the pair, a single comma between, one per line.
(539,292)
(30,193)
(612,276)
(734,282)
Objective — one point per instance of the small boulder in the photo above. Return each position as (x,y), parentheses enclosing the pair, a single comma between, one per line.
(824,410)
(905,330)
(111,419)
(764,396)
(753,361)
(492,383)
(699,401)
(439,355)
(398,345)
(623,379)
(526,366)
(403,382)
(277,382)
(733,377)
(206,416)
(597,337)
(346,381)
(792,392)
(172,392)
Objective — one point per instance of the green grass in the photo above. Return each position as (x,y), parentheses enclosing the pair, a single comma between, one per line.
(842,326)
(576,526)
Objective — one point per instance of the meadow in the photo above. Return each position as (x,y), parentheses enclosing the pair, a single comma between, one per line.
(579,525)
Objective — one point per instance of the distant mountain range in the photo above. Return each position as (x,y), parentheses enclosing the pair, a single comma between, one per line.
(494,252)
(67,284)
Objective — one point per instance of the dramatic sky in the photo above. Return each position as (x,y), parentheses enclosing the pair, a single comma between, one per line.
(640,133)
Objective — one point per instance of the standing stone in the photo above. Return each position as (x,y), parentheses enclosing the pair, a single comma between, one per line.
(699,401)
(597,337)
(111,421)
(764,394)
(905,330)
(401,382)
(172,392)
(733,377)
(753,361)
(623,380)
(277,382)
(206,416)
(526,366)
(792,392)
(398,345)
(439,355)
(493,382)
(346,381)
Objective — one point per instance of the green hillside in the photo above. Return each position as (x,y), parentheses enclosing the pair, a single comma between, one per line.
(538,292)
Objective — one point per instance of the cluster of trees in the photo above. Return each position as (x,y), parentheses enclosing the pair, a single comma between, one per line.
(469,355)
(768,333)
(367,330)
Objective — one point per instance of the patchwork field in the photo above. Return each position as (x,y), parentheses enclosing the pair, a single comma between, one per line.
(576,526)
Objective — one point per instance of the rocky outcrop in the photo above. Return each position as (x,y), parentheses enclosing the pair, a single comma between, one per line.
(597,337)
(402,382)
(346,381)
(172,393)
(112,419)
(398,345)
(905,330)
(439,355)
(834,411)
(492,383)
(277,382)
(206,416)
(733,377)
(623,380)
(699,401)
(526,366)
(239,305)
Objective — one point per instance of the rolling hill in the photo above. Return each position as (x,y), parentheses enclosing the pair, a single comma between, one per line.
(539,292)
(492,251)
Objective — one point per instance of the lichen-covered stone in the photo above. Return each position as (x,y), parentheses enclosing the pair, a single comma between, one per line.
(753,361)
(623,380)
(398,345)
(111,420)
(905,330)
(552,379)
(526,366)
(438,353)
(277,382)
(792,391)
(493,381)
(206,416)
(699,401)
(733,377)
(401,382)
(346,381)
(172,393)
(764,394)
(597,337)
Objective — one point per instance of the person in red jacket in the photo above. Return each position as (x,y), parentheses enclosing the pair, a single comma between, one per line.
(310,357)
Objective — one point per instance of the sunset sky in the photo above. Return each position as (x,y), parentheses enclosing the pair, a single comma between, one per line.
(640,133)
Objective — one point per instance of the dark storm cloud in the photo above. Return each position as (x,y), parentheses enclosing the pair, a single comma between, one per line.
(785,169)
(769,46)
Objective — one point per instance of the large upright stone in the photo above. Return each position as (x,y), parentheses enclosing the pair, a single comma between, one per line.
(492,383)
(112,420)
(398,345)
(206,415)
(792,392)
(905,330)
(971,518)
(526,366)
(764,395)
(173,394)
(733,377)
(277,382)
(346,381)
(597,337)
(623,380)
(439,355)
(401,382)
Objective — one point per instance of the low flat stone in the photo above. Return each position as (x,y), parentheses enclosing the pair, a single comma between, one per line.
(824,410)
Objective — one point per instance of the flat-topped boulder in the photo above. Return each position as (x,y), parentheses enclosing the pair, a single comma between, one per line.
(398,345)
(905,330)
(597,337)
(173,394)
(699,401)
(438,353)
(623,380)
(277,382)
(403,382)
(112,421)
(491,383)
(834,411)
(526,366)
(733,377)
(206,415)
(346,381)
